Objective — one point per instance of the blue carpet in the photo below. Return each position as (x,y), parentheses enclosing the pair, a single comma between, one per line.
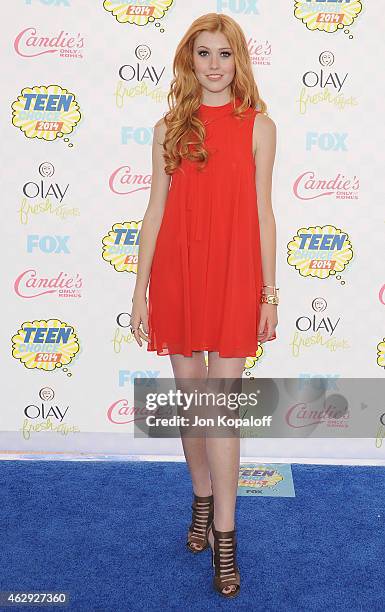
(113,536)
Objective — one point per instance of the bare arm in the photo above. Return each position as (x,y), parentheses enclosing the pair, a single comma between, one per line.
(265,148)
(153,217)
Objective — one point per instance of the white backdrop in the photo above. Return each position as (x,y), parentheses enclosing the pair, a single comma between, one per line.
(82,90)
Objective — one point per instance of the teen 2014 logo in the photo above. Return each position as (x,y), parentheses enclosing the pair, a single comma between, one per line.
(46,112)
(327,15)
(121,246)
(45,345)
(319,251)
(139,14)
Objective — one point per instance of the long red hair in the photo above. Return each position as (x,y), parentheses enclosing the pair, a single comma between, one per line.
(183,127)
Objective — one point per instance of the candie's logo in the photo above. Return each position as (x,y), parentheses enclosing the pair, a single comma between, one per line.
(46,112)
(30,43)
(121,246)
(308,186)
(319,251)
(123,181)
(45,345)
(32,284)
(139,14)
(327,15)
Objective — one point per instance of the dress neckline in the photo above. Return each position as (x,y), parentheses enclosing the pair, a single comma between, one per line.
(218,111)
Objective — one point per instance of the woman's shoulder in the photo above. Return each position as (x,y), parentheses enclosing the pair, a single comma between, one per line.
(264,131)
(160,123)
(160,129)
(264,120)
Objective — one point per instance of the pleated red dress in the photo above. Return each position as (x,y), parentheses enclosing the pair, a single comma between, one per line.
(206,273)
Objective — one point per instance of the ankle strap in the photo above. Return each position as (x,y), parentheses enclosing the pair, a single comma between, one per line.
(204,499)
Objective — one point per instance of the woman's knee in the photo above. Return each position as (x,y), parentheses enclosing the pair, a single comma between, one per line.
(189,367)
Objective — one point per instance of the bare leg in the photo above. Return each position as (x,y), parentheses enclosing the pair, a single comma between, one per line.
(194,448)
(224,455)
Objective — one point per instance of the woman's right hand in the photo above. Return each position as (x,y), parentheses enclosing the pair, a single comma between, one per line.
(139,316)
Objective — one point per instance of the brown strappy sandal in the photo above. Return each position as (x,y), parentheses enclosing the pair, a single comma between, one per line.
(202,517)
(224,561)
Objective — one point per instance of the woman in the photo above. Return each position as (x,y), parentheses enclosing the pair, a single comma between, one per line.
(210,253)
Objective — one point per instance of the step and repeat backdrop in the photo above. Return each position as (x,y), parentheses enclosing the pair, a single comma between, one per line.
(84,82)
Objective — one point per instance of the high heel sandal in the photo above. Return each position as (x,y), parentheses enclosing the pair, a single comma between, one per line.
(202,517)
(223,558)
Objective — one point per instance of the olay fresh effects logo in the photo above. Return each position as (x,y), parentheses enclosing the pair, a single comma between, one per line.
(324,77)
(31,284)
(317,321)
(121,246)
(328,15)
(28,43)
(324,86)
(317,329)
(141,14)
(46,112)
(45,345)
(46,416)
(142,72)
(122,334)
(140,78)
(309,186)
(43,195)
(124,181)
(320,252)
(259,52)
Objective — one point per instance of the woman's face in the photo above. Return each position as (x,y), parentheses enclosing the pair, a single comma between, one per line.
(213,61)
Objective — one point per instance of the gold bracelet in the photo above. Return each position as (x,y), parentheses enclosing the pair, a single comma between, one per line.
(269,298)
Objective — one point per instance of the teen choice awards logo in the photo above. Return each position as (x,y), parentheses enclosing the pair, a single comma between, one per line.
(319,251)
(138,13)
(381,354)
(45,345)
(258,476)
(46,112)
(327,15)
(121,246)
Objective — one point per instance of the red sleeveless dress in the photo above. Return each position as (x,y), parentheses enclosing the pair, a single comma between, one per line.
(206,273)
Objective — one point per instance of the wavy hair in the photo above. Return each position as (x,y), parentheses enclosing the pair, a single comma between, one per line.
(183,127)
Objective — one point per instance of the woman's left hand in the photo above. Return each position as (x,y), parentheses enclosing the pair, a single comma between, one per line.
(268,322)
